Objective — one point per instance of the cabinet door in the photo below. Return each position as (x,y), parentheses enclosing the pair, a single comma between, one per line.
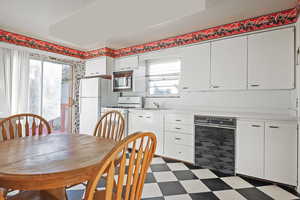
(139,85)
(195,68)
(148,122)
(135,123)
(96,67)
(271,60)
(89,87)
(154,123)
(229,64)
(281,152)
(250,148)
(128,63)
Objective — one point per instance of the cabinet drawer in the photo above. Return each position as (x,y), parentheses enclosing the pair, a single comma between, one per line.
(180,128)
(175,149)
(180,152)
(179,119)
(181,139)
(184,153)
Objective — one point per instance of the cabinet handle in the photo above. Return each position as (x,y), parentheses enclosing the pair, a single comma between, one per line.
(254,85)
(178,120)
(215,86)
(177,128)
(177,138)
(148,117)
(140,116)
(254,125)
(180,152)
(185,88)
(273,127)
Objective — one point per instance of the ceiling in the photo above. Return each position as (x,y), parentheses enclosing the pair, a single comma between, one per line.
(92,24)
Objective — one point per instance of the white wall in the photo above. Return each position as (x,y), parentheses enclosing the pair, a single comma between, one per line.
(250,101)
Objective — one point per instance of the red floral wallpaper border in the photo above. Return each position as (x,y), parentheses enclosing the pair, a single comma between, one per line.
(100,52)
(25,41)
(249,25)
(258,23)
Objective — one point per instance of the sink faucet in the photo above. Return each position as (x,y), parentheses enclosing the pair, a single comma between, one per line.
(156,105)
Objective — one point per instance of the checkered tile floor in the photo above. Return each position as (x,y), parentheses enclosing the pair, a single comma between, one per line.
(171,180)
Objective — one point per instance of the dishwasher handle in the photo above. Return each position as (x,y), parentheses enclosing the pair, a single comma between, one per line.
(215,126)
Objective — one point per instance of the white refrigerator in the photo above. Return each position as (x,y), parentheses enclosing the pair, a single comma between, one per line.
(94,94)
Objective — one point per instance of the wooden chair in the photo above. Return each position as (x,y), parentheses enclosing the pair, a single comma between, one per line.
(130,182)
(111,125)
(21,125)
(2,194)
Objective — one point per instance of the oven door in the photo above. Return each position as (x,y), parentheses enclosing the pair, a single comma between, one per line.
(215,148)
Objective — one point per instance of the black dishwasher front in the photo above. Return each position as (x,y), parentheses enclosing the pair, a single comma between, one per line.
(215,143)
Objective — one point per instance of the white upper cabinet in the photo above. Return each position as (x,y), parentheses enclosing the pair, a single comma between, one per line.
(271,60)
(229,64)
(127,63)
(99,66)
(195,68)
(281,152)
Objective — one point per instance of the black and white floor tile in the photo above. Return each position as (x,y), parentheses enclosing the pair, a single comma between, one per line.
(172,180)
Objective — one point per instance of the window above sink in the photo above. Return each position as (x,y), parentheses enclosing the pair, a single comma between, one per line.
(163,77)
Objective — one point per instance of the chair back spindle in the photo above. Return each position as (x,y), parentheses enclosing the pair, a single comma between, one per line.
(124,181)
(111,126)
(22,125)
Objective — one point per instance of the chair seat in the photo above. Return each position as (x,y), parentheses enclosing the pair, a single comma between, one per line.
(100,195)
(33,195)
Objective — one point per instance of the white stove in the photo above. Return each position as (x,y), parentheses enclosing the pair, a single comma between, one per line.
(124,104)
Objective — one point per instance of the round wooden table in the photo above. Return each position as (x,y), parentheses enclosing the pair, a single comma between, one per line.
(49,162)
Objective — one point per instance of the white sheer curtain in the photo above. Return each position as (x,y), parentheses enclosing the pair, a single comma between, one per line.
(14,79)
(6,60)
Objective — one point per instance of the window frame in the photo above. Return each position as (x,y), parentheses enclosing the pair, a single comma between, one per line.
(69,115)
(169,75)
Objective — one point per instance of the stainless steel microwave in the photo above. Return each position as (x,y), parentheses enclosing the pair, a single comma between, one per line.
(122,81)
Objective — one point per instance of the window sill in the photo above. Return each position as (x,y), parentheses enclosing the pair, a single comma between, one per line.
(166,97)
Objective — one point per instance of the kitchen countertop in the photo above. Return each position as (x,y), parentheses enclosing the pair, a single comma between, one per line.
(236,114)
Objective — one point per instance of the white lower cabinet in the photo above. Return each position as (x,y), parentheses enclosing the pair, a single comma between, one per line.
(179,137)
(268,150)
(146,121)
(250,152)
(281,152)
(175,147)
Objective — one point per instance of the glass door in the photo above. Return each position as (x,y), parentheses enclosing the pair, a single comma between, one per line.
(50,93)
